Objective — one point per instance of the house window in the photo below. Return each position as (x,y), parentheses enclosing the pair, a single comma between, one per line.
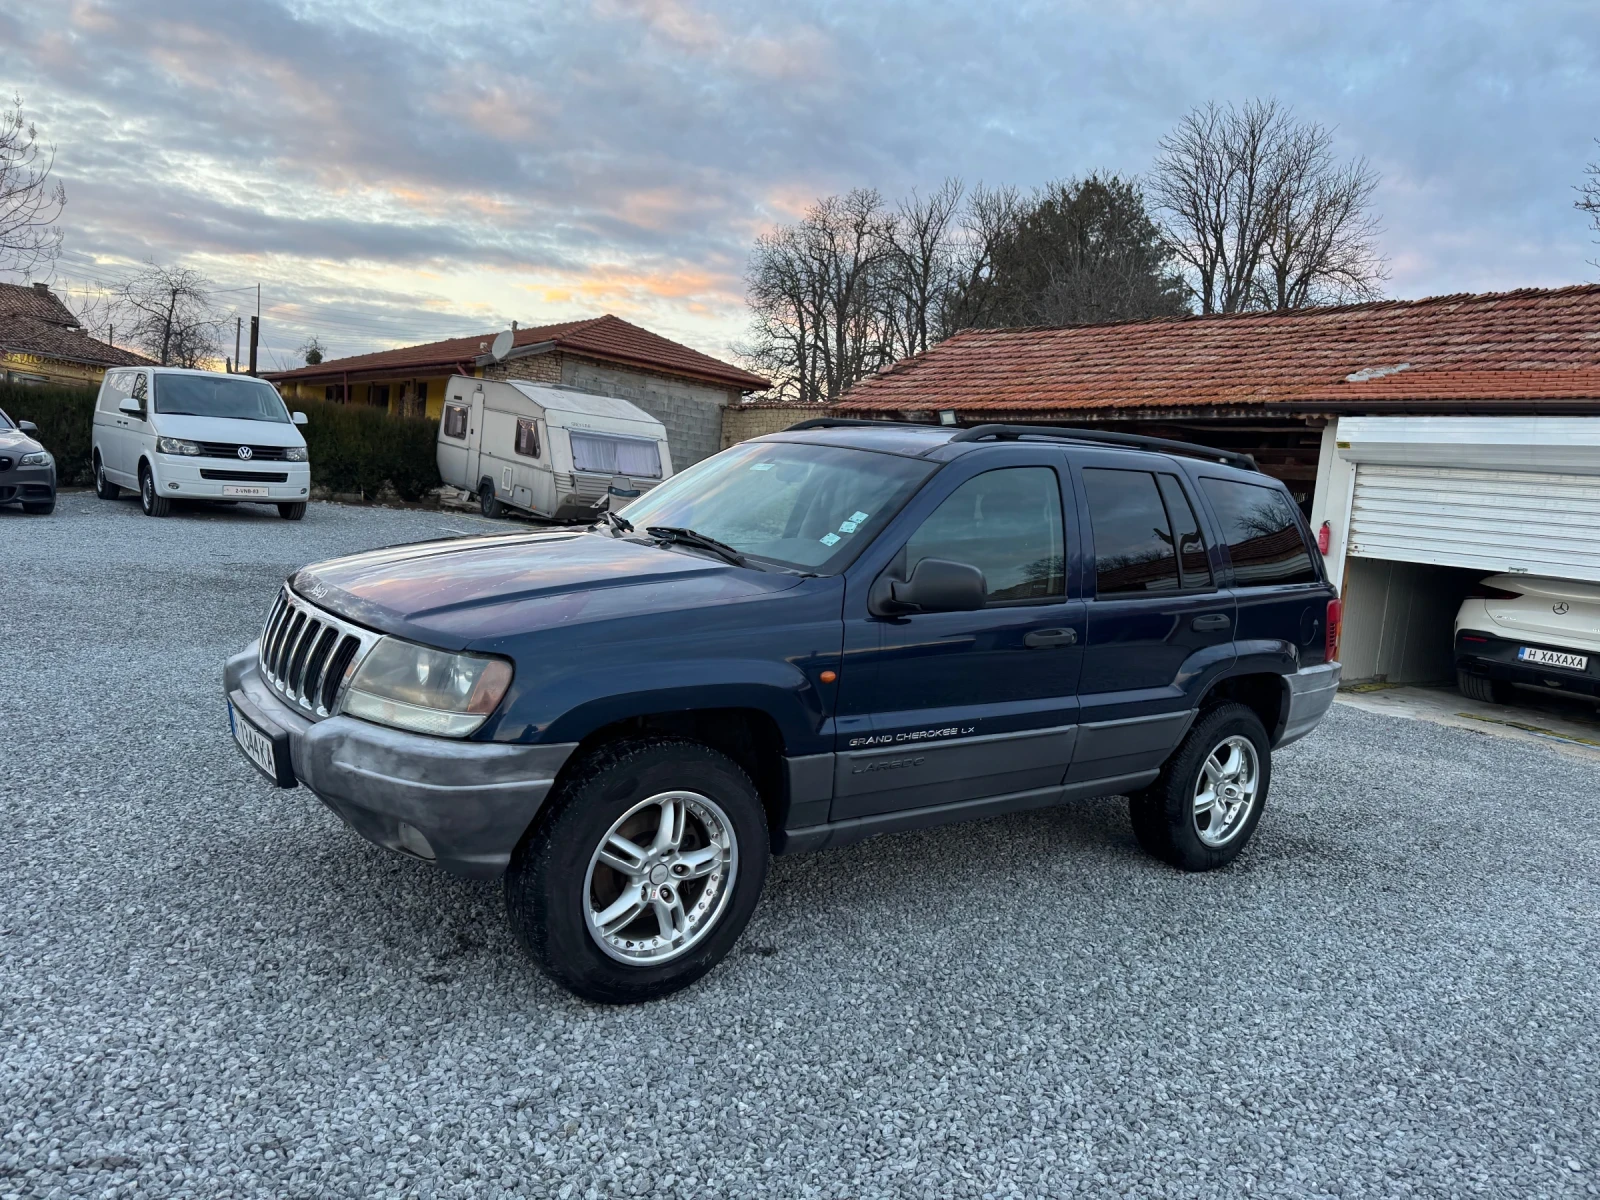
(455,420)
(378,395)
(527,437)
(334,392)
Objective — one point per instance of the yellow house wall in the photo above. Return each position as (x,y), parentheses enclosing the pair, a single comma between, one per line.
(52,369)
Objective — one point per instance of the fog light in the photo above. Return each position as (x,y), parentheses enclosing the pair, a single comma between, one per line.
(302,491)
(413,842)
(173,486)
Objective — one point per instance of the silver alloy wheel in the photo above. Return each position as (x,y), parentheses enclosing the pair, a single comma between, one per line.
(660,878)
(1225,794)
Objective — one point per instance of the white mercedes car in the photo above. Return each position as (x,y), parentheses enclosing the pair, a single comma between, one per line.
(1527,629)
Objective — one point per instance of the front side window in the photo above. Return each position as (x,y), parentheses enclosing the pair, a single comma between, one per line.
(1133,545)
(236,397)
(528,438)
(605,455)
(792,503)
(141,389)
(455,420)
(1007,523)
(1263,533)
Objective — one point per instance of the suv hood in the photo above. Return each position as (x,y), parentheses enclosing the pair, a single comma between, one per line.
(456,592)
(227,429)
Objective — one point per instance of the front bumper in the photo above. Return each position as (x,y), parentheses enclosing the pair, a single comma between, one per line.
(1479,652)
(464,805)
(1311,694)
(32,484)
(185,477)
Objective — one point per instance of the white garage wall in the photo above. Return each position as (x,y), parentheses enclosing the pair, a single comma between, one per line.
(1399,620)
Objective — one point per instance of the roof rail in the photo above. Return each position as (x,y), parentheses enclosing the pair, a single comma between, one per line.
(1137,441)
(832,422)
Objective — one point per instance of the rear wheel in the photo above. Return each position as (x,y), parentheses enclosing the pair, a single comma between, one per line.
(292,512)
(642,872)
(1201,811)
(103,487)
(1481,687)
(488,502)
(154,505)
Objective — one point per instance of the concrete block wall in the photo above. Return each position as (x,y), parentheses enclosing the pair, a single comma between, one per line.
(744,421)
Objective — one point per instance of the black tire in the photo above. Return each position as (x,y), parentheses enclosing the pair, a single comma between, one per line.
(39,508)
(292,512)
(1481,687)
(154,505)
(103,487)
(547,885)
(488,502)
(1164,816)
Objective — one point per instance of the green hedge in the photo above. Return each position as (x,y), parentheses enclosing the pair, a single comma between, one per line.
(352,449)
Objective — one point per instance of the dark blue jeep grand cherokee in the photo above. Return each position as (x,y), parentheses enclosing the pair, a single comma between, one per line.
(841,630)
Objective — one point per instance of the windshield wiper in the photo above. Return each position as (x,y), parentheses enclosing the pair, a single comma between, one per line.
(688,537)
(619,525)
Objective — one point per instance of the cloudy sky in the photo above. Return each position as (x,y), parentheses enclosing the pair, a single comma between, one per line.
(393,171)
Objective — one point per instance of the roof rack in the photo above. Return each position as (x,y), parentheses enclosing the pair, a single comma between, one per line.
(979,433)
(833,422)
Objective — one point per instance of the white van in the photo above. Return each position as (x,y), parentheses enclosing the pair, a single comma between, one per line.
(549,450)
(175,434)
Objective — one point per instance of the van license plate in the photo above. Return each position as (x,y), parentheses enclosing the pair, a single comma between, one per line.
(230,489)
(1554,658)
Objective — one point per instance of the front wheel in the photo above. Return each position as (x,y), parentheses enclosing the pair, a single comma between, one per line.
(292,512)
(642,872)
(1199,814)
(153,503)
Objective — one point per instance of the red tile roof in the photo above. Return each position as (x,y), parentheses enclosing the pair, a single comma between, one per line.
(608,337)
(33,320)
(1526,345)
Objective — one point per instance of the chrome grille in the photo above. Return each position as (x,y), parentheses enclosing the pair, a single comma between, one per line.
(306,654)
(231,450)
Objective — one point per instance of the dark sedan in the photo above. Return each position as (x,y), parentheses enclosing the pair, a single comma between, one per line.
(27,472)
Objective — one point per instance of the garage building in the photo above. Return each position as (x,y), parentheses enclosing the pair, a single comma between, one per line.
(1430,442)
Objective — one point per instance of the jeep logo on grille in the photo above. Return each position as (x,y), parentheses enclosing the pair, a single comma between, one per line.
(245,452)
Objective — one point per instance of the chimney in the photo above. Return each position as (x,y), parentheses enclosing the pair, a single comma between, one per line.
(43,287)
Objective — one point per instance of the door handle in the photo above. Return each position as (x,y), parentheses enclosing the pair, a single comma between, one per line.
(1211,623)
(1042,639)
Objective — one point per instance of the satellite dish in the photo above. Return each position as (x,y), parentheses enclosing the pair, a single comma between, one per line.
(502,345)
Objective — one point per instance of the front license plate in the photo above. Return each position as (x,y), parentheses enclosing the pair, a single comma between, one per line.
(257,746)
(1554,658)
(240,490)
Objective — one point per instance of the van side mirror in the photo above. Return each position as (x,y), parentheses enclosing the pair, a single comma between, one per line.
(131,406)
(27,427)
(936,585)
(298,418)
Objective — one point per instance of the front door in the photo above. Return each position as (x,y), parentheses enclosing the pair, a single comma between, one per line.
(475,439)
(966,705)
(1157,616)
(133,431)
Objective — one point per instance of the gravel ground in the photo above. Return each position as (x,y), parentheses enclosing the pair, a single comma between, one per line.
(210,988)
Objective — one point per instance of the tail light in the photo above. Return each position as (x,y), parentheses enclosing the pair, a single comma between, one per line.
(1335,615)
(1483,591)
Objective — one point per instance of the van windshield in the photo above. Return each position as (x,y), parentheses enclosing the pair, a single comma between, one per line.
(790,503)
(235,396)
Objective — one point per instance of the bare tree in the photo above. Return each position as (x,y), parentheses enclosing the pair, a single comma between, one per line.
(1260,212)
(923,265)
(168,313)
(990,217)
(1588,200)
(312,350)
(29,202)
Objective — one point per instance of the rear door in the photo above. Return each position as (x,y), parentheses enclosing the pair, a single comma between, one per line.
(1156,618)
(967,705)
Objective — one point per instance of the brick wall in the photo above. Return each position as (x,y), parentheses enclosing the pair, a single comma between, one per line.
(740,422)
(536,368)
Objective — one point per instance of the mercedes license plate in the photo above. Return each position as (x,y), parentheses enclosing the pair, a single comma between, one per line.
(243,492)
(1554,658)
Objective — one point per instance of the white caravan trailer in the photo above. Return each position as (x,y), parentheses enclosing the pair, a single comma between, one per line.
(552,451)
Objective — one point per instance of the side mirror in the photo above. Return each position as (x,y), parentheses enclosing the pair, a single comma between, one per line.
(298,418)
(27,427)
(131,406)
(939,585)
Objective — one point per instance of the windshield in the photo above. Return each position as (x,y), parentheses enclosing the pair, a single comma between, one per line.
(790,503)
(236,396)
(5,421)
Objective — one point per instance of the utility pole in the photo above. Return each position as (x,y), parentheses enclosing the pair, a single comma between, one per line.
(238,324)
(255,340)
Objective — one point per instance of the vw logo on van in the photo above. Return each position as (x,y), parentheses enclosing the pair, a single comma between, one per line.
(246,452)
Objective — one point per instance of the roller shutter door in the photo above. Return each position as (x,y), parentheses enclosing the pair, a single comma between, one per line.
(1536,523)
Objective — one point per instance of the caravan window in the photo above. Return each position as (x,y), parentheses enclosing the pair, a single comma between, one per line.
(615,455)
(527,437)
(455,421)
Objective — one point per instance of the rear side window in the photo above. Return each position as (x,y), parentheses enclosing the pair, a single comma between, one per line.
(1193,563)
(1263,533)
(527,437)
(1133,545)
(1007,523)
(455,421)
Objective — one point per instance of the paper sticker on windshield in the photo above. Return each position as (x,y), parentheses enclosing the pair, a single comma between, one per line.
(829,539)
(763,466)
(847,526)
(858,517)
